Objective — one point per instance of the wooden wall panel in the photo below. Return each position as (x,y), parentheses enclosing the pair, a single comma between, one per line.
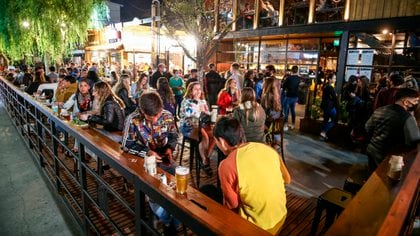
(365,10)
(372,8)
(417,12)
(380,9)
(394,7)
(359,8)
(411,7)
(352,13)
(402,9)
(387,9)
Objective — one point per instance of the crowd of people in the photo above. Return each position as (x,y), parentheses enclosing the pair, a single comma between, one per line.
(148,106)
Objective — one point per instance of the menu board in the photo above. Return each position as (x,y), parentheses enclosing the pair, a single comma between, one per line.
(353,57)
(367,57)
(362,57)
(351,71)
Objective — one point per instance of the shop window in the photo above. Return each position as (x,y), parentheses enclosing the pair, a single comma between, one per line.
(296,12)
(269,13)
(274,52)
(246,53)
(329,10)
(225,13)
(246,13)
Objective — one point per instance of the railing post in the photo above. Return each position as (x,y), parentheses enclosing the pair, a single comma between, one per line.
(140,203)
(55,152)
(83,183)
(39,136)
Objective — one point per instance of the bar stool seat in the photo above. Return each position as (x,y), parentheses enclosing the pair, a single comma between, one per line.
(334,201)
(194,154)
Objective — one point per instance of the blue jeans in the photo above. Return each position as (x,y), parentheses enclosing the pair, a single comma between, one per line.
(329,118)
(290,103)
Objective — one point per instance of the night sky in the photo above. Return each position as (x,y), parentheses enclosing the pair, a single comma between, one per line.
(134,8)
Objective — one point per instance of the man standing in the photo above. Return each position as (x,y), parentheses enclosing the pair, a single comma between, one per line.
(212,84)
(291,87)
(392,128)
(52,75)
(387,96)
(192,78)
(160,72)
(252,177)
(236,75)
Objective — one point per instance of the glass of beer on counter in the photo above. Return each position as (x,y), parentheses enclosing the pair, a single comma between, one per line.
(181,176)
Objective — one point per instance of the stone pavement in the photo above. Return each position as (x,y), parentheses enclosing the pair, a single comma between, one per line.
(27,206)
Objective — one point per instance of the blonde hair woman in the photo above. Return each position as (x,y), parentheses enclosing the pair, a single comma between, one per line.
(251,116)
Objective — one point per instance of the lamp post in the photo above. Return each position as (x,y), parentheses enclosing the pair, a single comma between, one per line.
(155,32)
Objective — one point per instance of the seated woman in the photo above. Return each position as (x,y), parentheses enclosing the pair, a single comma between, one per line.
(228,97)
(81,102)
(38,80)
(140,86)
(165,92)
(122,89)
(251,116)
(110,107)
(191,108)
(151,130)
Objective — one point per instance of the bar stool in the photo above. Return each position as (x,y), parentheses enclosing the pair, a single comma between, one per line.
(194,154)
(334,201)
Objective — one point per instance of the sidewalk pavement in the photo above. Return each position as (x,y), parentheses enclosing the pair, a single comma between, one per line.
(27,205)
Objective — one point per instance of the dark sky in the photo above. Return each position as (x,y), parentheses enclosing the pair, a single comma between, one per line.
(134,8)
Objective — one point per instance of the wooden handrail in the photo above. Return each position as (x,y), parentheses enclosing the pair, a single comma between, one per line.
(213,219)
(382,206)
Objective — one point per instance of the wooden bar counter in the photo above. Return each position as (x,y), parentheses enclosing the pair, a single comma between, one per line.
(383,206)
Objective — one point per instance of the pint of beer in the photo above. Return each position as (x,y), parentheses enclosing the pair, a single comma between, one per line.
(181,175)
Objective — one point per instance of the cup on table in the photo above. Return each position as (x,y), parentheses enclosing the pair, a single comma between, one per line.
(181,176)
(54,108)
(150,165)
(65,114)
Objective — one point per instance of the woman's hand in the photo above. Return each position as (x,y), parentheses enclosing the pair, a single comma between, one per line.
(84,116)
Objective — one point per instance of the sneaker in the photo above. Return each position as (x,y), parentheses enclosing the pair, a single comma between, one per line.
(286,128)
(323,135)
(292,127)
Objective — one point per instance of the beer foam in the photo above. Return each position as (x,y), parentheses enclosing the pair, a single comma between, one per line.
(182,170)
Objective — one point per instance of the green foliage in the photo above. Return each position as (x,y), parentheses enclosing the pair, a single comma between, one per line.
(315,110)
(55,26)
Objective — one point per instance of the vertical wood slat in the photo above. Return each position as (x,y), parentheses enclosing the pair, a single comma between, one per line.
(352,13)
(387,9)
(358,10)
(372,9)
(380,8)
(402,9)
(411,7)
(365,10)
(394,7)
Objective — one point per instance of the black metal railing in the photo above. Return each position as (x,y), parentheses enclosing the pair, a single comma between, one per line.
(96,198)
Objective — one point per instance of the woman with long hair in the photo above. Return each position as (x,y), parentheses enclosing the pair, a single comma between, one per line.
(251,115)
(122,89)
(38,79)
(82,100)
(270,99)
(165,92)
(228,97)
(360,108)
(140,86)
(191,108)
(110,107)
(249,79)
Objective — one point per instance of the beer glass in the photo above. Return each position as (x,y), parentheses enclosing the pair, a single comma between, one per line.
(181,176)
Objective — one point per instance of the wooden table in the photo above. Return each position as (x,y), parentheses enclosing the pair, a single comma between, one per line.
(382,205)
